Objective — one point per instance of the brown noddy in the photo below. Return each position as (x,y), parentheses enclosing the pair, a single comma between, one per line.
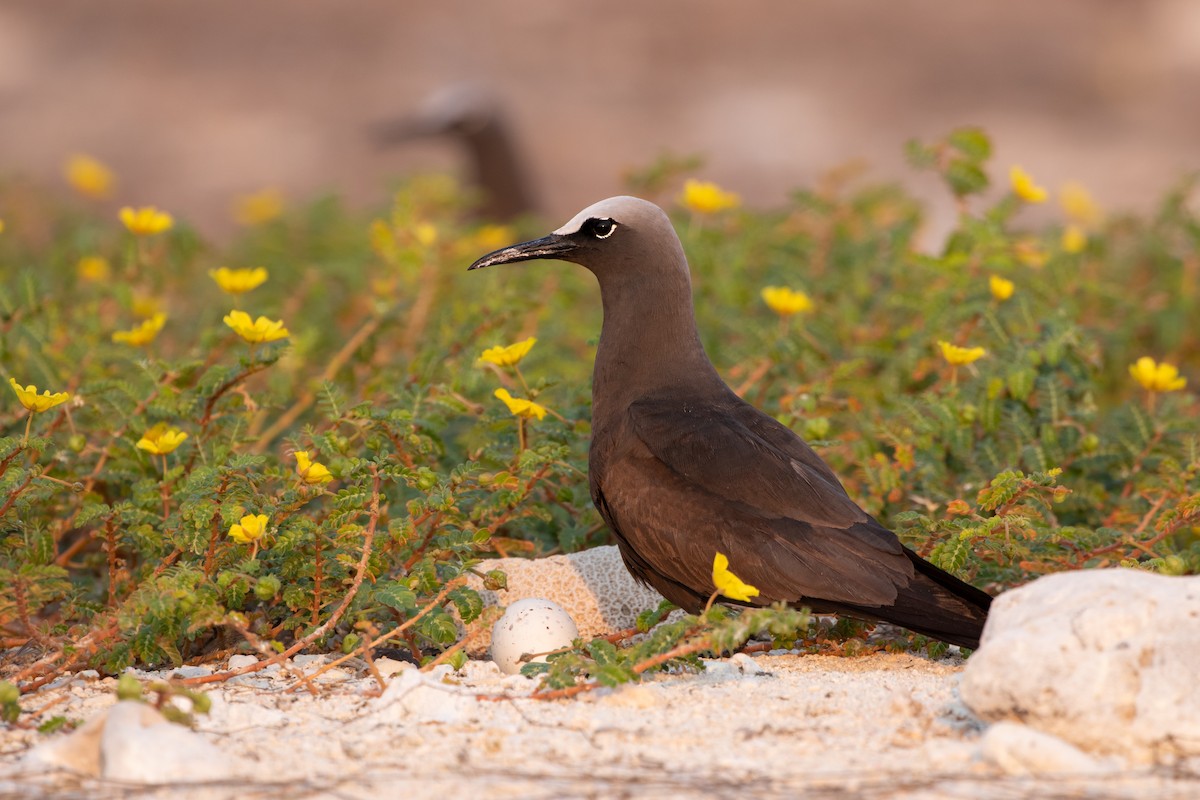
(681,468)
(473,117)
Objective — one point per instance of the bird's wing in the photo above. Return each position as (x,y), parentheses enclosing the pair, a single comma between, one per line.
(734,451)
(682,481)
(670,527)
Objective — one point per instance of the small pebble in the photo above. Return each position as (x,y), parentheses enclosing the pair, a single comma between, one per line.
(240,661)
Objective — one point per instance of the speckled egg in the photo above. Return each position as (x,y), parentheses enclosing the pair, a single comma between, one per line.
(530,626)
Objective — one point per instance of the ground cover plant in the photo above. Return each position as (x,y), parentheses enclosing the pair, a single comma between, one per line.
(307,438)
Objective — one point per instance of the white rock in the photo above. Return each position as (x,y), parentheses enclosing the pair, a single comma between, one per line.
(746,665)
(593,586)
(388,667)
(196,671)
(133,742)
(225,714)
(309,661)
(1105,659)
(418,697)
(1020,750)
(532,626)
(240,661)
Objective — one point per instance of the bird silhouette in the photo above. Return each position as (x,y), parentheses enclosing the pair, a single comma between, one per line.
(473,117)
(681,468)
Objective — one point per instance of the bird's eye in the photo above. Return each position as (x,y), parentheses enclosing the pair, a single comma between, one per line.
(601,228)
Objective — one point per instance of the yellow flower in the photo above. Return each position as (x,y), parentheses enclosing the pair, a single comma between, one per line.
(29,397)
(520,407)
(729,584)
(1,226)
(785,301)
(705,197)
(1073,239)
(250,529)
(1030,253)
(161,439)
(311,471)
(260,330)
(1024,187)
(1157,377)
(146,221)
(383,240)
(1079,206)
(258,208)
(238,281)
(93,268)
(88,176)
(142,334)
(426,234)
(508,356)
(957,356)
(493,237)
(1002,289)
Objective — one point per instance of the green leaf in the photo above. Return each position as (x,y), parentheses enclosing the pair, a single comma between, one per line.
(965,178)
(468,602)
(972,143)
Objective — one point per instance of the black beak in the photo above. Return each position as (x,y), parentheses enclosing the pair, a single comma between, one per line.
(552,246)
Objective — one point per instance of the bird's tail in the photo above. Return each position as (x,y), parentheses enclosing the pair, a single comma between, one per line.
(935,604)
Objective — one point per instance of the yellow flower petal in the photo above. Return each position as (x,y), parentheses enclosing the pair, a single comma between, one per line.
(1079,206)
(258,208)
(1073,239)
(728,584)
(251,528)
(260,330)
(88,176)
(426,234)
(493,237)
(161,439)
(93,268)
(1157,377)
(520,407)
(29,397)
(142,334)
(705,197)
(1001,288)
(508,356)
(238,281)
(146,221)
(785,301)
(311,471)
(958,356)
(1024,187)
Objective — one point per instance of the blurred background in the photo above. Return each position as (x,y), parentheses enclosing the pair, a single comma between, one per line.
(193,104)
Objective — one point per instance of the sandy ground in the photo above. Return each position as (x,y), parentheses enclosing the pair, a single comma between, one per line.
(779,725)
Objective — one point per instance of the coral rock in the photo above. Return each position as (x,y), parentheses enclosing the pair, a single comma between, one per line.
(133,742)
(593,586)
(1104,659)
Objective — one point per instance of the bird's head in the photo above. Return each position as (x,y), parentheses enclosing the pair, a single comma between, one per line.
(615,238)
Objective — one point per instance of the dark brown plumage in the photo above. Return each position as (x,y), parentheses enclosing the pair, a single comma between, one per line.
(682,468)
(473,117)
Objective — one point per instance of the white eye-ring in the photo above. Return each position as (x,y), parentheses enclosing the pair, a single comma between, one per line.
(601,228)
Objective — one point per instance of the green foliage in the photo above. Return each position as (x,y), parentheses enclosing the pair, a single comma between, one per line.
(668,645)
(1043,455)
(129,688)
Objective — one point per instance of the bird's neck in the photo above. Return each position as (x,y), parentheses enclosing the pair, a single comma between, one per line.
(649,345)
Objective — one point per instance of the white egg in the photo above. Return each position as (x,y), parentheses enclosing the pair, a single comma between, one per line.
(530,626)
